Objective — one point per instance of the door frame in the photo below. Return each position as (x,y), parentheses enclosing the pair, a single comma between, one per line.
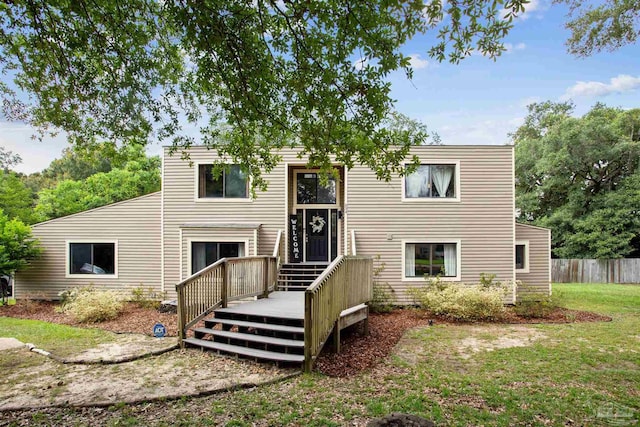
(295,206)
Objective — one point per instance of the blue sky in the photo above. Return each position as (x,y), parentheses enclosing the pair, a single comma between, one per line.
(478,101)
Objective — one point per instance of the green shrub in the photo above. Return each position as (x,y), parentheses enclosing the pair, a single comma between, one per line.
(145,297)
(470,303)
(535,306)
(89,305)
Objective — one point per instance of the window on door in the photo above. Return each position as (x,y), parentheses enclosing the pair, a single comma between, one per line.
(311,190)
(204,254)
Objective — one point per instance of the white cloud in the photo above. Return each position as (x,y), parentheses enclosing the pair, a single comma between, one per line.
(468,128)
(510,48)
(620,84)
(417,63)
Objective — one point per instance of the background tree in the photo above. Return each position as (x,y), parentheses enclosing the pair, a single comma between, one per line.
(17,247)
(16,200)
(581,178)
(308,73)
(138,177)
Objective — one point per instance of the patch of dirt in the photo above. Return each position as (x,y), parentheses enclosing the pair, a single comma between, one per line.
(509,336)
(170,376)
(133,319)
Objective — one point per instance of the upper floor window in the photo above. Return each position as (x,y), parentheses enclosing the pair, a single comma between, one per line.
(431,181)
(231,183)
(92,258)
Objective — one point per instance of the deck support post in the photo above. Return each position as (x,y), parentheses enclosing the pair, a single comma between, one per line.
(336,337)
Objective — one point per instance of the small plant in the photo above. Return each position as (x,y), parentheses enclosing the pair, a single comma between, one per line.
(382,298)
(535,306)
(145,297)
(487,280)
(90,305)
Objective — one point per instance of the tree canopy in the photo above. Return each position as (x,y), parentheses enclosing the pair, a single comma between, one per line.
(17,247)
(605,26)
(580,176)
(252,76)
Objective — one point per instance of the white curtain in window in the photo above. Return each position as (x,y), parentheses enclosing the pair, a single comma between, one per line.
(410,260)
(441,178)
(450,259)
(199,255)
(417,184)
(240,250)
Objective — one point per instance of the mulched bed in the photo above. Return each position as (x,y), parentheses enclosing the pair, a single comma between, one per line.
(132,320)
(359,353)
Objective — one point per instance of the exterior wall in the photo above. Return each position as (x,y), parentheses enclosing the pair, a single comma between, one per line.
(133,224)
(482,220)
(537,280)
(180,206)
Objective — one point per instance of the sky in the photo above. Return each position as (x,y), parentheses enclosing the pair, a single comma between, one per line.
(478,101)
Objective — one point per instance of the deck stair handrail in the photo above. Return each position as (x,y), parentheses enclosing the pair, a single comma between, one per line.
(228,279)
(276,247)
(345,283)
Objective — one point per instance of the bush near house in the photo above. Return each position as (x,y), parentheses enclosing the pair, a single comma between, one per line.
(462,302)
(90,305)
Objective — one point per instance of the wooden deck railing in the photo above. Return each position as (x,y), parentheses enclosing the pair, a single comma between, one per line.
(347,282)
(228,279)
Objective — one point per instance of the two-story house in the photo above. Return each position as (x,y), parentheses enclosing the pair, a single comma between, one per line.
(453,218)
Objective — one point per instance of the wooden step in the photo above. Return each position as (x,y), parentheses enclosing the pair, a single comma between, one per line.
(257,325)
(245,351)
(251,337)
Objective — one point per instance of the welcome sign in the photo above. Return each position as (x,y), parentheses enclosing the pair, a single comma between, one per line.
(295,254)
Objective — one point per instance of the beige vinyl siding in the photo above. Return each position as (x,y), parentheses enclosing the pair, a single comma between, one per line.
(482,220)
(538,280)
(214,234)
(181,206)
(134,225)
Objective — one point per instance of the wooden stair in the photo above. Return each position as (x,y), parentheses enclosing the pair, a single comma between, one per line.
(256,334)
(298,276)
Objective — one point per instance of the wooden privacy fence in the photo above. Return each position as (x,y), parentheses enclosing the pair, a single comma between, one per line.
(625,270)
(226,280)
(346,282)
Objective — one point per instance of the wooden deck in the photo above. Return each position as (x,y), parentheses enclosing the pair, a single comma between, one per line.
(284,305)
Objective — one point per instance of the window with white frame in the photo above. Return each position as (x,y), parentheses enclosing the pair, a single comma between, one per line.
(431,181)
(92,258)
(522,256)
(204,254)
(430,260)
(231,183)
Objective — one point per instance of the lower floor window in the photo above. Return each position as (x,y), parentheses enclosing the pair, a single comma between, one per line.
(92,258)
(431,259)
(204,254)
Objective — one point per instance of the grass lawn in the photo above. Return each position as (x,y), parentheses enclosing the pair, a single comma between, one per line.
(59,339)
(466,375)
